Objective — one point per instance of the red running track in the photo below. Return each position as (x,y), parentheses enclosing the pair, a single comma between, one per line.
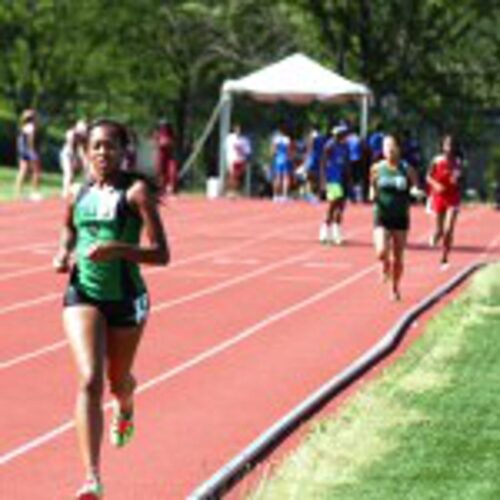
(251,316)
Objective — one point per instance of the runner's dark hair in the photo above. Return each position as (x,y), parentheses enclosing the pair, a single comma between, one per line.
(123,134)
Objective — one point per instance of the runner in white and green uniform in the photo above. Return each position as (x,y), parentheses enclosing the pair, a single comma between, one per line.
(116,286)
(391,179)
(106,301)
(392,203)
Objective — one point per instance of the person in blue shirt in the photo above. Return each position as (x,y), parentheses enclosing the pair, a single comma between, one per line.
(315,144)
(335,181)
(355,145)
(281,152)
(375,142)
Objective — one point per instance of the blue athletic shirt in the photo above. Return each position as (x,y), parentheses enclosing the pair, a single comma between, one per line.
(337,161)
(375,142)
(281,144)
(318,145)
(355,148)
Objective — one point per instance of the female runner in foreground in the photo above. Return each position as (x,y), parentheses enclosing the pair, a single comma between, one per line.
(106,302)
(444,183)
(391,179)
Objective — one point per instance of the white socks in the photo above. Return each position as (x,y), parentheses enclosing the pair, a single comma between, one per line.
(330,233)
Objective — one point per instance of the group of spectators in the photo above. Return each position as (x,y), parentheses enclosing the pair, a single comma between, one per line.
(72,155)
(295,165)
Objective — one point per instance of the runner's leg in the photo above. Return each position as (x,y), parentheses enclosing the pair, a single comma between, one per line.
(85,328)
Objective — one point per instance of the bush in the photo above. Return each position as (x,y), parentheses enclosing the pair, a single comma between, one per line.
(493,170)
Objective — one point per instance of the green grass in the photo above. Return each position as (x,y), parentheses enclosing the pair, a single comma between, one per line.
(428,428)
(51,184)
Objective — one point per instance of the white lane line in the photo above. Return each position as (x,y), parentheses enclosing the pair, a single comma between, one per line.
(42,247)
(231,282)
(168,304)
(327,265)
(148,271)
(178,301)
(195,361)
(305,279)
(28,246)
(236,262)
(33,355)
(199,274)
(24,272)
(215,224)
(26,304)
(200,358)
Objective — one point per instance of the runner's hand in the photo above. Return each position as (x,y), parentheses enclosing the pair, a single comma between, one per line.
(106,251)
(60,263)
(417,193)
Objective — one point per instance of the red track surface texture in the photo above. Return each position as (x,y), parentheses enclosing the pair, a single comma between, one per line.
(251,316)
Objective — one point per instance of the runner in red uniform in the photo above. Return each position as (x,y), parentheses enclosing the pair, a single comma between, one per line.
(444,185)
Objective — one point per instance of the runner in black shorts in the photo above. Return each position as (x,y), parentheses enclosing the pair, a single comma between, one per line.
(106,302)
(391,180)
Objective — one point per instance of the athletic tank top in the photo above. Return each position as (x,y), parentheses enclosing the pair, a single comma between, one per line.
(337,161)
(393,191)
(447,171)
(101,215)
(281,144)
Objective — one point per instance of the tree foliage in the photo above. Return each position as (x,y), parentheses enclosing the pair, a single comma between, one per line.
(438,59)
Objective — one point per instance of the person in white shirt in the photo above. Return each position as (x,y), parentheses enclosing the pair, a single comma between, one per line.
(237,149)
(71,157)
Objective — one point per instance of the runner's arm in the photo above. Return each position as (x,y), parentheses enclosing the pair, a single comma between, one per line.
(415,189)
(67,241)
(155,250)
(372,195)
(433,183)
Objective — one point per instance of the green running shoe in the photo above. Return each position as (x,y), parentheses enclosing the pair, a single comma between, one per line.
(122,428)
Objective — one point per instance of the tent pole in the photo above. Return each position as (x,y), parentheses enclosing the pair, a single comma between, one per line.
(364,116)
(224,129)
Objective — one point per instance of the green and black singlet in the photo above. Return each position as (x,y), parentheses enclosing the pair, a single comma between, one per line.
(392,200)
(100,215)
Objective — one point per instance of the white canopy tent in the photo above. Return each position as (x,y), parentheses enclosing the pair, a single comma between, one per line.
(296,79)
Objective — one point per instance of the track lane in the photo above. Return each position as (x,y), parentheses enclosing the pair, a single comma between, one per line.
(231,369)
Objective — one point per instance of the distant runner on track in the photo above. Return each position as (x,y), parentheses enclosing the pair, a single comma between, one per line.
(335,179)
(443,180)
(391,181)
(106,303)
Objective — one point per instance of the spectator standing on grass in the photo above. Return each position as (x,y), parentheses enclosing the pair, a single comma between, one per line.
(165,162)
(28,152)
(281,163)
(392,182)
(238,150)
(106,303)
(72,155)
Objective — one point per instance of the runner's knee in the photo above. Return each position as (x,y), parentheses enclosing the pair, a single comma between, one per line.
(92,384)
(122,386)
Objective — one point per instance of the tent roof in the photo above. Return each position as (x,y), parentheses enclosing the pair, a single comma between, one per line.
(299,80)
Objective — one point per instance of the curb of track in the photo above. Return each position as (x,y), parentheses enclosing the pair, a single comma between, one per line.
(234,470)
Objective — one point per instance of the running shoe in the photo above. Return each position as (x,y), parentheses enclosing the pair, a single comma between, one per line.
(324,234)
(337,234)
(91,490)
(122,428)
(444,265)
